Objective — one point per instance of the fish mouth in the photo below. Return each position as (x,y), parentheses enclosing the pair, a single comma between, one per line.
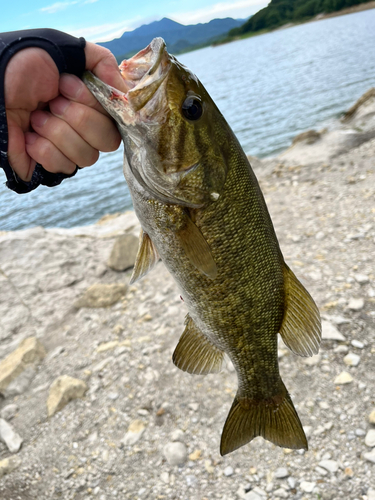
(143,74)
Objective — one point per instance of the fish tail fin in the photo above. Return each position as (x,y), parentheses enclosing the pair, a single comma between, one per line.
(275,419)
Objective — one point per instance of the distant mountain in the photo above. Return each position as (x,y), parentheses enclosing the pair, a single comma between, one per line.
(178,37)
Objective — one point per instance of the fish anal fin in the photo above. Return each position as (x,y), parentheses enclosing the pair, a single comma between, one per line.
(197,249)
(147,257)
(275,419)
(195,353)
(301,328)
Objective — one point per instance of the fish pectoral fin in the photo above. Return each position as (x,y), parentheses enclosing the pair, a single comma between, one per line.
(147,257)
(195,353)
(197,249)
(301,328)
(275,419)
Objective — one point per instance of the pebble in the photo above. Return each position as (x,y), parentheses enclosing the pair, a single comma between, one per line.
(321,471)
(134,433)
(362,279)
(341,349)
(177,435)
(371,494)
(292,482)
(358,344)
(307,486)
(101,295)
(10,437)
(330,332)
(352,359)
(20,384)
(281,472)
(281,493)
(370,438)
(228,471)
(343,378)
(251,495)
(370,456)
(175,453)
(63,390)
(371,417)
(9,411)
(356,304)
(360,432)
(9,464)
(124,252)
(329,465)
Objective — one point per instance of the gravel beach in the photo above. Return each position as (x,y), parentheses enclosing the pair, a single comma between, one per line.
(91,405)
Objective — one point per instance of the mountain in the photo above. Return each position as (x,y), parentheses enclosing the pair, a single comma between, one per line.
(178,37)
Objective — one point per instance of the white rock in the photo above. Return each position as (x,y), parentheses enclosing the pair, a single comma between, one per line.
(329,465)
(371,494)
(164,476)
(370,456)
(124,252)
(134,433)
(356,304)
(9,436)
(307,486)
(358,344)
(175,453)
(228,471)
(9,464)
(314,360)
(341,349)
(281,493)
(9,411)
(343,378)
(370,438)
(251,495)
(281,472)
(362,279)
(371,417)
(177,435)
(62,390)
(330,332)
(352,359)
(20,384)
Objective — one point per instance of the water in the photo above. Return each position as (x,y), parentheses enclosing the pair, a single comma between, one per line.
(269,88)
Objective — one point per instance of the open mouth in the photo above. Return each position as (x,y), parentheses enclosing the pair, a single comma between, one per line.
(143,74)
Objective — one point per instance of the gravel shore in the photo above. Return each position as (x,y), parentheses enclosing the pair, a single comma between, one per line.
(91,404)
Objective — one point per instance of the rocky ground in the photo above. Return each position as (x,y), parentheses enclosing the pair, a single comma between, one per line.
(92,405)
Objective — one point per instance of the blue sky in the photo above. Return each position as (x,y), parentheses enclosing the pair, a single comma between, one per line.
(100,20)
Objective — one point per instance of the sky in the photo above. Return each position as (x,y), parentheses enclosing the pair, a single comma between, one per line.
(102,20)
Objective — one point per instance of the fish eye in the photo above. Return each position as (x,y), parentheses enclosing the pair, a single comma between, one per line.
(192,108)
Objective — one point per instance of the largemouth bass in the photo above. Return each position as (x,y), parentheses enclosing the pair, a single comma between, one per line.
(202,211)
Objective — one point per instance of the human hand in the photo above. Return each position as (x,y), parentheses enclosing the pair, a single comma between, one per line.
(54,120)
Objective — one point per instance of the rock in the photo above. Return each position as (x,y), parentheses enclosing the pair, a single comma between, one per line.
(329,465)
(358,344)
(124,252)
(175,453)
(314,360)
(359,432)
(9,464)
(134,433)
(107,346)
(20,384)
(29,352)
(343,378)
(356,304)
(281,473)
(330,332)
(370,456)
(63,390)
(307,486)
(362,279)
(9,436)
(228,471)
(177,435)
(341,349)
(371,417)
(352,359)
(281,493)
(371,494)
(101,295)
(9,411)
(251,495)
(370,438)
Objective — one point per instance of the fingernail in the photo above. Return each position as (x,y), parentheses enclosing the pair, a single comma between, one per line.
(59,105)
(30,138)
(70,85)
(39,118)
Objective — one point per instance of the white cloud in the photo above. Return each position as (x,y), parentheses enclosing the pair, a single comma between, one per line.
(238,10)
(56,7)
(89,1)
(104,32)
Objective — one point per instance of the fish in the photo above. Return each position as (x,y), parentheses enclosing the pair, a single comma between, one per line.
(203,214)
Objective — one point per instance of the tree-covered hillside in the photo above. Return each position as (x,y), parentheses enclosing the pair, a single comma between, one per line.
(279,12)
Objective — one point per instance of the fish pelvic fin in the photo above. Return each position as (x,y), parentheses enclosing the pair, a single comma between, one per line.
(195,353)
(275,419)
(147,257)
(301,328)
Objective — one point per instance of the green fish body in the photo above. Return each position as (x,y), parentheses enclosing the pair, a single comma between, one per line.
(202,211)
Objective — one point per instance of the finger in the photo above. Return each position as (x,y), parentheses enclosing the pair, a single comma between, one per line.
(103,63)
(74,89)
(18,158)
(96,129)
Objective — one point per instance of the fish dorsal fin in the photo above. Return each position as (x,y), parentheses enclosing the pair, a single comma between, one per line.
(197,249)
(195,353)
(301,328)
(146,259)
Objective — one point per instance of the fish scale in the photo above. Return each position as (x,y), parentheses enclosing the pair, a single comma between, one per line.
(202,211)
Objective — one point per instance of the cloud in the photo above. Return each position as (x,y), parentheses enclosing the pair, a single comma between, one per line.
(56,7)
(105,32)
(240,9)
(89,1)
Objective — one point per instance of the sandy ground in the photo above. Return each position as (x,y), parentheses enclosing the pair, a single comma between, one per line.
(140,428)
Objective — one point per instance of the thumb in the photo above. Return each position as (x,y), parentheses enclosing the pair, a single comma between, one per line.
(102,62)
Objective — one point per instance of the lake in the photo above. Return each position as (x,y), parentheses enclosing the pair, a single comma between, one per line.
(269,87)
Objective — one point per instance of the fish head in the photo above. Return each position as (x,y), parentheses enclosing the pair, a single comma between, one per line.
(173,133)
